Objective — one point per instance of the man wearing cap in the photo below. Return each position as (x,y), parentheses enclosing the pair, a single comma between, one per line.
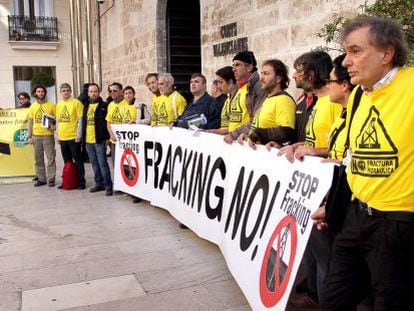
(249,96)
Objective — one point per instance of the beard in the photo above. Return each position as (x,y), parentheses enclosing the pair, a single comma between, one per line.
(268,88)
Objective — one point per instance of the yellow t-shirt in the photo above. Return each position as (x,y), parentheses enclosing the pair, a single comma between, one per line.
(129,113)
(165,112)
(67,114)
(338,134)
(381,139)
(239,115)
(277,110)
(225,114)
(90,124)
(36,111)
(320,122)
(116,112)
(155,103)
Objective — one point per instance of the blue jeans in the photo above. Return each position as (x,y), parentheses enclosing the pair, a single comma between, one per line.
(97,157)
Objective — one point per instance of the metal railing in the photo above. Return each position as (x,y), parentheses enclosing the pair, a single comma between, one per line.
(37,28)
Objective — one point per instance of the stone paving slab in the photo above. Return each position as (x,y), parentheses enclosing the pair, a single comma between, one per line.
(81,294)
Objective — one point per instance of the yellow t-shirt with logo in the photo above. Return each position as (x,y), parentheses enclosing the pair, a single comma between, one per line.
(165,112)
(90,124)
(320,122)
(225,114)
(67,114)
(129,113)
(276,110)
(116,112)
(36,111)
(381,139)
(155,103)
(338,134)
(239,115)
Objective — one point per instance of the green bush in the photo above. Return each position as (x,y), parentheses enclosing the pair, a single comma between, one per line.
(42,78)
(400,10)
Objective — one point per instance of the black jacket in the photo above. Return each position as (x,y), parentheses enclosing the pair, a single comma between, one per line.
(101,132)
(206,105)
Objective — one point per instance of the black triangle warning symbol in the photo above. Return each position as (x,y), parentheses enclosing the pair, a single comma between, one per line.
(309,130)
(373,137)
(64,115)
(116,116)
(127,117)
(38,115)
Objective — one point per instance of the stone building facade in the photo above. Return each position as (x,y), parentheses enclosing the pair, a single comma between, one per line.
(31,42)
(137,36)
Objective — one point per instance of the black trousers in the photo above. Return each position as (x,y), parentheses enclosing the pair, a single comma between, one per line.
(374,251)
(71,150)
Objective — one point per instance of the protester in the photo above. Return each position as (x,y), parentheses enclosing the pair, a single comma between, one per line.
(24,100)
(374,250)
(41,126)
(141,113)
(275,119)
(96,134)
(171,104)
(117,110)
(227,85)
(315,68)
(203,111)
(151,80)
(217,94)
(69,112)
(249,96)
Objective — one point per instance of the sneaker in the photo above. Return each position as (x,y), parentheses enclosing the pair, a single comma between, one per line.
(136,200)
(60,187)
(81,187)
(39,183)
(108,192)
(303,301)
(96,189)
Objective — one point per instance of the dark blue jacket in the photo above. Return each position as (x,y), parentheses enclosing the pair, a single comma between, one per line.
(206,105)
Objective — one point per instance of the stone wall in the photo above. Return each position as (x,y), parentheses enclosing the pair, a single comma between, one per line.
(134,38)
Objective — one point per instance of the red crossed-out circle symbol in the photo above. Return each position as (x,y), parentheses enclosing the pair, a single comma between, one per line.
(275,274)
(129,171)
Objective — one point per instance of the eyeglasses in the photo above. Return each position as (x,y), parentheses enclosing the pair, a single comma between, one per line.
(113,91)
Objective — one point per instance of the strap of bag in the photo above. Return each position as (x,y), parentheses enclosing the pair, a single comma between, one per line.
(142,116)
(174,106)
(357,99)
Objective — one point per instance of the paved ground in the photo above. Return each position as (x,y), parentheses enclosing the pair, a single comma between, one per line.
(50,237)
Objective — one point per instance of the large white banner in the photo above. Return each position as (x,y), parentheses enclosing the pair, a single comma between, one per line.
(254,205)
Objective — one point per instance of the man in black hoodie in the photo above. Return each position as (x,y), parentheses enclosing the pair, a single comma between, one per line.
(96,134)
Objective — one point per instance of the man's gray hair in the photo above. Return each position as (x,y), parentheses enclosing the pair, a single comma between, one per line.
(65,86)
(167,76)
(384,32)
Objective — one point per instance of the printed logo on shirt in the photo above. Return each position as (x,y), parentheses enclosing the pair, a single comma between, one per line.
(38,115)
(310,136)
(127,116)
(64,115)
(90,117)
(116,116)
(375,154)
(236,111)
(162,114)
